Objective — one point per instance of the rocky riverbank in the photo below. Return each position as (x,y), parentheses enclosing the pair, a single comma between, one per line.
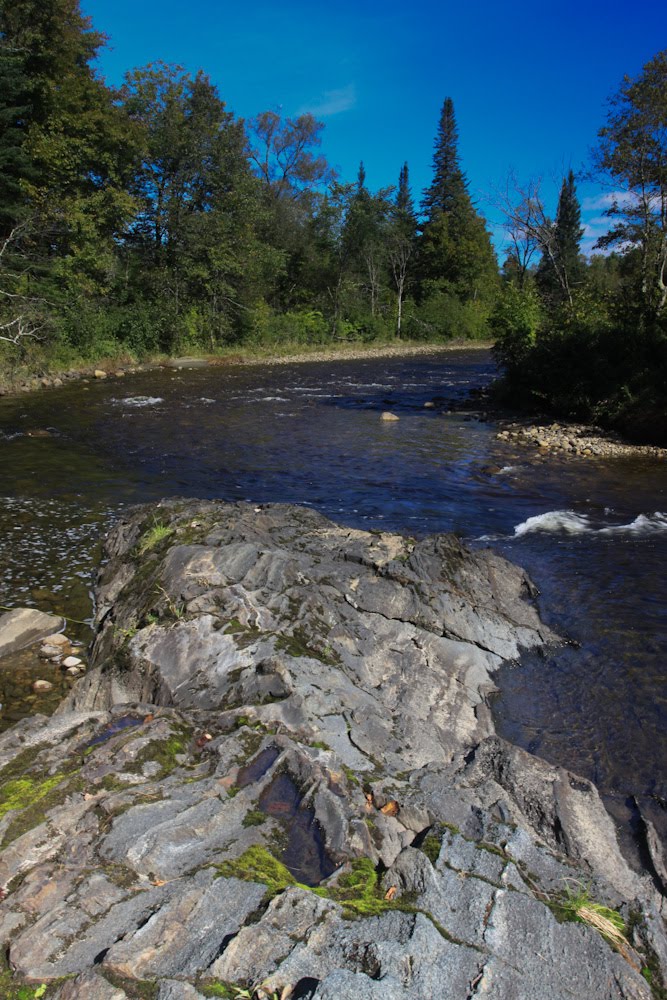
(54,379)
(569,439)
(280,775)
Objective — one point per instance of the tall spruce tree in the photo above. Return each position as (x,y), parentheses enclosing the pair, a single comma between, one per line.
(449,189)
(561,268)
(456,258)
(405,206)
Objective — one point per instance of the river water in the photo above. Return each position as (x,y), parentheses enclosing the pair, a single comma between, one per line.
(591,532)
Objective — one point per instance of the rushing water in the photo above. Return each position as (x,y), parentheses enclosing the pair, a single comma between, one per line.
(591,532)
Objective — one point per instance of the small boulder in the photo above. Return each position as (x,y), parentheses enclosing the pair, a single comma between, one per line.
(71,661)
(23,626)
(387,415)
(48,652)
(42,686)
(57,639)
(98,373)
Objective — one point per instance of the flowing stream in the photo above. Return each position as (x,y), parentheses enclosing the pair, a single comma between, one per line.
(591,532)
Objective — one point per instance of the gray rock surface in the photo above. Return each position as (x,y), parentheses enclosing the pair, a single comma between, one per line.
(23,626)
(281,773)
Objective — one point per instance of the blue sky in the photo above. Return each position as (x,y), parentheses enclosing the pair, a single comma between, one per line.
(529,81)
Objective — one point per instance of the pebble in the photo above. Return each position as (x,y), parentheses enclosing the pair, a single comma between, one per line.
(72,671)
(40,685)
(71,661)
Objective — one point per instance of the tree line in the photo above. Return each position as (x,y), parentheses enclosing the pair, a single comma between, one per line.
(588,338)
(149,217)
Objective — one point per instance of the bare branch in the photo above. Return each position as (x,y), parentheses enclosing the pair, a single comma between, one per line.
(20,328)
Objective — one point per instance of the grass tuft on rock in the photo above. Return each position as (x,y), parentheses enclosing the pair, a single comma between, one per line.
(577,905)
(151,538)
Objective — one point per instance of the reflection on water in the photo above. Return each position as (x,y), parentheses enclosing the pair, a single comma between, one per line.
(592,533)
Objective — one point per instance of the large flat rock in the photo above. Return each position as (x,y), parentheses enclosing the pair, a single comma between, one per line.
(282,775)
(23,626)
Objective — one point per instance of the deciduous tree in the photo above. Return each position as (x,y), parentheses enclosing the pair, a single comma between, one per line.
(632,152)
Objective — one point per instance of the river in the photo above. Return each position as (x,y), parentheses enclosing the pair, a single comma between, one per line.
(591,532)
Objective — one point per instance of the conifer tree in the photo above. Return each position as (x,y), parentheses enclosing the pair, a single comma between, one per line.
(455,253)
(449,188)
(560,269)
(405,206)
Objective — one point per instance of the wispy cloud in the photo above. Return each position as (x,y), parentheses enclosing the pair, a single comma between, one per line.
(603,201)
(332,102)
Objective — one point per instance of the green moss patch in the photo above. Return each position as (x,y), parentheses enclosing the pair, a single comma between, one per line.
(135,989)
(13,989)
(31,798)
(162,751)
(358,891)
(257,865)
(254,817)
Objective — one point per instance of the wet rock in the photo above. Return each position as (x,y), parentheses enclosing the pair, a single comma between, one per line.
(387,415)
(23,626)
(186,363)
(48,652)
(41,685)
(72,661)
(99,373)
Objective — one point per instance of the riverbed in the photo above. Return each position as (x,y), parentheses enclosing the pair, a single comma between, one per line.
(591,532)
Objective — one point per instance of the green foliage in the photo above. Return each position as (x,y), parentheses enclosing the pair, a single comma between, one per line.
(632,152)
(151,220)
(514,323)
(297,327)
(598,348)
(442,315)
